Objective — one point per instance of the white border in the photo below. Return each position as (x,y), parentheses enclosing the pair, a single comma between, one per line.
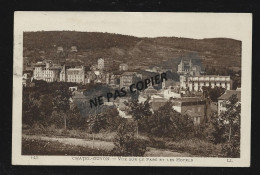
(193,25)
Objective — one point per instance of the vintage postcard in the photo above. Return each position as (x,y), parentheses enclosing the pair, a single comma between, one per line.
(132,89)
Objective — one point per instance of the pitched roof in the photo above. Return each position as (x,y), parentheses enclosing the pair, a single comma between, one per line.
(128,73)
(229,93)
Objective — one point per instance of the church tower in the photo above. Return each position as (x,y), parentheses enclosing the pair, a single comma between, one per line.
(181,67)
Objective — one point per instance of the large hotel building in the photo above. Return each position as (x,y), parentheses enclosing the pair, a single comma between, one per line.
(195,83)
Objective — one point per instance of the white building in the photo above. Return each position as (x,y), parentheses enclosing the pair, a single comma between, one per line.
(171,93)
(195,83)
(123,67)
(76,75)
(101,63)
(73,49)
(46,71)
(225,97)
(59,49)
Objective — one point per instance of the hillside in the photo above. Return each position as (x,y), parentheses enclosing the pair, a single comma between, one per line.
(142,52)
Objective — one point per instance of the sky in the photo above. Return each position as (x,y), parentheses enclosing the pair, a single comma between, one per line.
(188,25)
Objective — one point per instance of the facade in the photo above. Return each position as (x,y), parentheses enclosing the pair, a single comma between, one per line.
(46,71)
(101,63)
(127,78)
(195,83)
(192,106)
(26,79)
(73,49)
(59,49)
(150,91)
(154,69)
(188,68)
(123,67)
(157,102)
(171,92)
(225,97)
(75,75)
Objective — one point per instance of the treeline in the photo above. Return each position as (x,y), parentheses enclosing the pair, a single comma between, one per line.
(167,123)
(48,105)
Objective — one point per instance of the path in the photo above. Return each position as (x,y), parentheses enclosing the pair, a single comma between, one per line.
(105,145)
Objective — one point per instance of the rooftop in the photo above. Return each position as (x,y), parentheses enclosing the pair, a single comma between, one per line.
(128,73)
(209,76)
(229,93)
(188,99)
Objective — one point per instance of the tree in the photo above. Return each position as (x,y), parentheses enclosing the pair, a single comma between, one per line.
(225,128)
(213,93)
(215,130)
(231,120)
(165,122)
(61,102)
(125,142)
(96,123)
(30,105)
(140,112)
(46,108)
(113,119)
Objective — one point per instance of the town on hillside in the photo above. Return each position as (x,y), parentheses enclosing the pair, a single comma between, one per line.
(191,103)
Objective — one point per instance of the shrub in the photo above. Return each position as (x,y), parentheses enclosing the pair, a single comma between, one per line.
(126,144)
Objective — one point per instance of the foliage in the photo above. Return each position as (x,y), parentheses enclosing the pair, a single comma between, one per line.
(226,128)
(215,130)
(97,122)
(213,93)
(141,113)
(113,119)
(126,144)
(165,122)
(231,120)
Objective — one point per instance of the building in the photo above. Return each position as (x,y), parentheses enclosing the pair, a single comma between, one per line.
(27,78)
(123,67)
(195,83)
(157,102)
(169,83)
(225,97)
(46,71)
(171,92)
(192,106)
(150,91)
(154,69)
(73,49)
(188,68)
(59,49)
(127,78)
(75,75)
(101,63)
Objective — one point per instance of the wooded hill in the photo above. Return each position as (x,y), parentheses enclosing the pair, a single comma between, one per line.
(165,51)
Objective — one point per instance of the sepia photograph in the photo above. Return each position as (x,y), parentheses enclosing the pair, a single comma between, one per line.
(140,89)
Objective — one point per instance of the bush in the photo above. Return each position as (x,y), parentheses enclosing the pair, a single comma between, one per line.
(231,150)
(196,147)
(126,144)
